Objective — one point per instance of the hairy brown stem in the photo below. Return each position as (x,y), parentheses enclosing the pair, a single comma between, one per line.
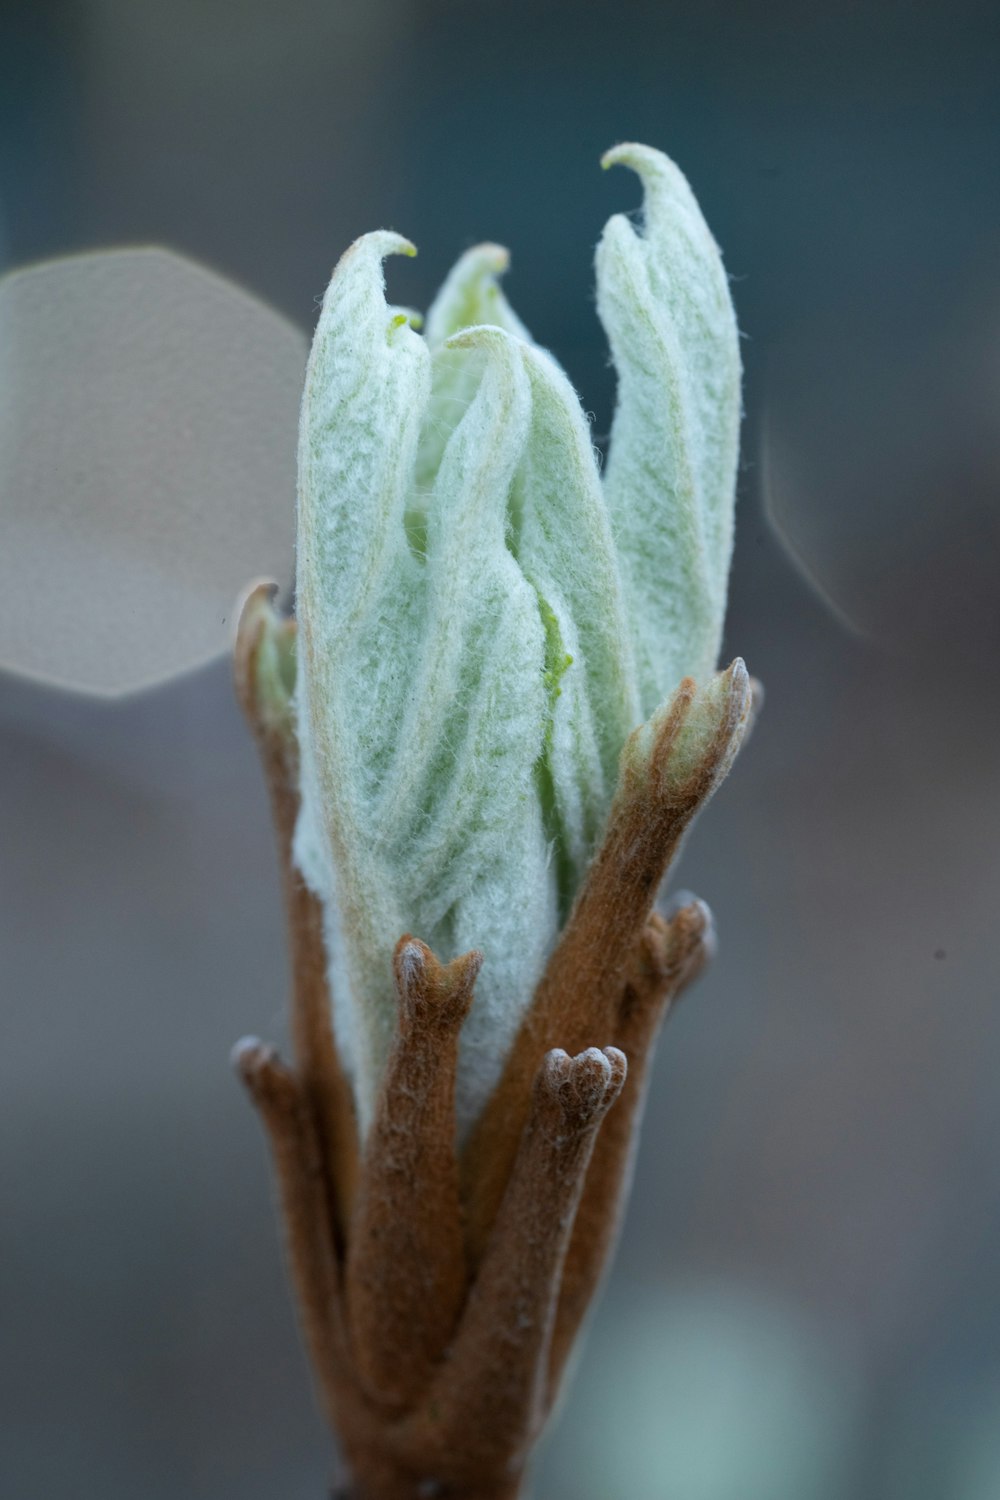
(667,959)
(305,1208)
(406,1273)
(317,1064)
(577,1001)
(439,1298)
(489,1400)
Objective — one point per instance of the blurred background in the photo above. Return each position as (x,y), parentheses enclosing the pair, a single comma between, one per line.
(806,1300)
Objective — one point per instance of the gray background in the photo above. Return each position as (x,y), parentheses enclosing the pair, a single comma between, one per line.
(806,1301)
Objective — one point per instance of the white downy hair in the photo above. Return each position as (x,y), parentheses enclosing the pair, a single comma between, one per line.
(483,618)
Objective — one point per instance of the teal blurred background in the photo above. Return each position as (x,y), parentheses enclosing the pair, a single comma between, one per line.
(806,1302)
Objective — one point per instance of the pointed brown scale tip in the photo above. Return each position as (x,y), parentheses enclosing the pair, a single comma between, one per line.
(247,1055)
(431,992)
(583,1087)
(740,683)
(462,974)
(412,961)
(689,759)
(255,602)
(619,1073)
(418,980)
(670,953)
(689,943)
(263,661)
(268,1080)
(739,704)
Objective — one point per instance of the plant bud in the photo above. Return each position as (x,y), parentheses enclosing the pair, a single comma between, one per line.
(483,619)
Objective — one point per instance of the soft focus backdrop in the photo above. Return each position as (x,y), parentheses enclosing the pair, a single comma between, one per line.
(806,1301)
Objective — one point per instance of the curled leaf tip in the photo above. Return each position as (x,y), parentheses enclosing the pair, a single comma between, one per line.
(665,187)
(663,297)
(632,154)
(378,244)
(472,294)
(479,336)
(645,161)
(487,258)
(480,265)
(612,156)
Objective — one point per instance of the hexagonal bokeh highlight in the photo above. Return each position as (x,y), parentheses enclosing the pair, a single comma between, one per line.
(148,420)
